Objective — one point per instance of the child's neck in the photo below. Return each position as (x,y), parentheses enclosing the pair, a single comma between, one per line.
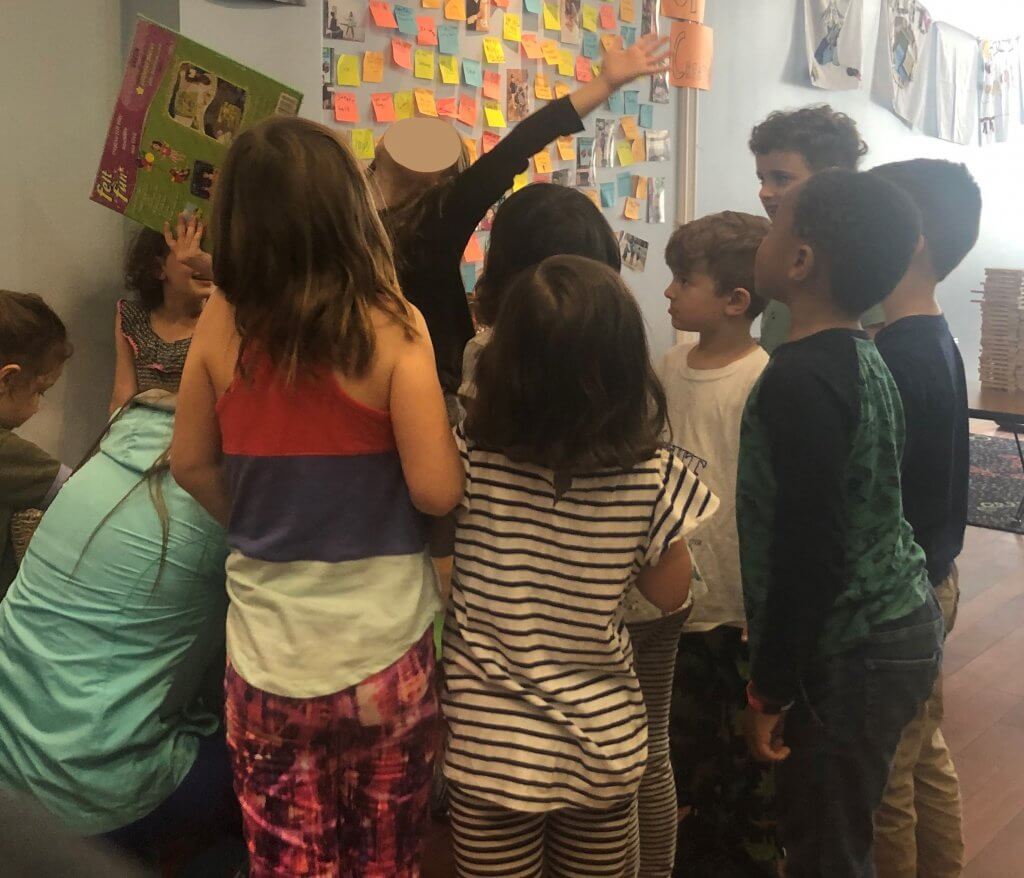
(721,346)
(814,312)
(913,297)
(179,308)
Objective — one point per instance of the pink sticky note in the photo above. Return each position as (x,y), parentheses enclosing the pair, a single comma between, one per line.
(345,108)
(446,107)
(531,46)
(607,16)
(584,72)
(427,31)
(474,252)
(467,110)
(383,106)
(401,53)
(492,85)
(488,141)
(382,14)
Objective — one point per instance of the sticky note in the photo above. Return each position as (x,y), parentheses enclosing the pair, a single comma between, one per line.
(406,21)
(403,105)
(639,150)
(468,271)
(583,71)
(345,109)
(609,42)
(431,4)
(626,10)
(512,27)
(631,209)
(455,10)
(495,118)
(566,63)
(382,14)
(628,34)
(566,148)
(532,6)
(616,103)
(646,116)
(383,106)
(607,195)
(470,148)
(593,196)
(692,48)
(549,49)
(446,107)
(467,110)
(362,143)
(449,65)
(401,53)
(624,150)
(590,45)
(448,38)
(607,16)
(551,15)
(494,52)
(628,124)
(542,88)
(425,102)
(562,90)
(520,181)
(589,17)
(640,188)
(596,68)
(348,70)
(542,162)
(471,72)
(373,67)
(492,85)
(624,185)
(531,47)
(426,31)
(424,64)
(488,140)
(474,252)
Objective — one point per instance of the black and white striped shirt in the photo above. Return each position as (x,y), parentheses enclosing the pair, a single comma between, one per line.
(543,705)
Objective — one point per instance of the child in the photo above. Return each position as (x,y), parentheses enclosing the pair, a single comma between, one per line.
(152,335)
(312,425)
(788,147)
(707,385)
(843,626)
(33,349)
(569,501)
(917,828)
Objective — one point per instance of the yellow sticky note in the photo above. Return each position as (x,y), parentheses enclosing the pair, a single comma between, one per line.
(424,64)
(542,162)
(639,150)
(362,143)
(589,17)
(566,148)
(566,63)
(627,12)
(631,209)
(520,181)
(624,150)
(542,88)
(348,70)
(562,90)
(551,15)
(425,102)
(629,128)
(373,67)
(609,42)
(403,105)
(531,47)
(640,188)
(455,10)
(512,28)
(431,4)
(470,148)
(494,52)
(549,49)
(593,196)
(495,118)
(449,65)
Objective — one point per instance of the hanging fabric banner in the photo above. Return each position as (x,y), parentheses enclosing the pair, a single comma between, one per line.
(954,87)
(834,45)
(907,26)
(999,95)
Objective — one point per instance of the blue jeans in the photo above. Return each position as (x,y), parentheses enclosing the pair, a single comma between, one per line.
(843,732)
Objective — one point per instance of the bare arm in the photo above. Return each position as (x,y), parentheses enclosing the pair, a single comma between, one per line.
(125,383)
(667,583)
(620,67)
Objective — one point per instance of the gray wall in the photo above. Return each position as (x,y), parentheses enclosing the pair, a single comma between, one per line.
(760,65)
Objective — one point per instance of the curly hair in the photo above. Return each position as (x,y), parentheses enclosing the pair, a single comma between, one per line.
(823,137)
(722,245)
(143,265)
(32,336)
(864,230)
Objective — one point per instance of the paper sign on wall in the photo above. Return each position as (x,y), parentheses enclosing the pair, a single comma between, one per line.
(566,65)
(425,102)
(455,10)
(692,47)
(488,140)
(607,16)
(607,195)
(401,53)
(566,148)
(542,162)
(470,149)
(382,15)
(562,90)
(383,106)
(403,105)
(495,118)
(549,49)
(426,31)
(520,181)
(512,27)
(646,117)
(492,85)
(542,88)
(472,72)
(348,70)
(373,67)
(631,209)
(583,71)
(551,15)
(494,52)
(448,38)
(531,47)
(424,64)
(362,143)
(627,12)
(589,17)
(345,109)
(474,252)
(628,124)
(446,107)
(449,65)
(624,150)
(467,110)
(431,4)
(690,10)
(406,21)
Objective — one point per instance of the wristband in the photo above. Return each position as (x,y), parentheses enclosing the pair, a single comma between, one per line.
(758,705)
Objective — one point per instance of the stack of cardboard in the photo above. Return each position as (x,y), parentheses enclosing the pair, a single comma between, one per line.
(1001,365)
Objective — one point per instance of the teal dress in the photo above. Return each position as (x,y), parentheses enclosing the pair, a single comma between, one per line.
(95,653)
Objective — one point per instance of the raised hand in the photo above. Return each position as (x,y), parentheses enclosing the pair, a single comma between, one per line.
(647,56)
(185,243)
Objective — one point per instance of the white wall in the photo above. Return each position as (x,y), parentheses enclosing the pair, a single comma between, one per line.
(760,65)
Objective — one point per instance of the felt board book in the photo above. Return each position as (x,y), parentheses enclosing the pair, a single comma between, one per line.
(179,108)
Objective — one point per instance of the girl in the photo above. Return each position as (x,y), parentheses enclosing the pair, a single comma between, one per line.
(152,335)
(430,217)
(569,501)
(312,425)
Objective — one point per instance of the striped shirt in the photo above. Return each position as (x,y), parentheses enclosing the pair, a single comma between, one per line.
(329,577)
(543,705)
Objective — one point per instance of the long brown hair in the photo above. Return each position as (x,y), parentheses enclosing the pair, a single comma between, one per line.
(299,250)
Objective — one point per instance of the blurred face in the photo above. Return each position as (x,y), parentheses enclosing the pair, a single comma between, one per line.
(182,281)
(778,172)
(779,253)
(694,303)
(20,399)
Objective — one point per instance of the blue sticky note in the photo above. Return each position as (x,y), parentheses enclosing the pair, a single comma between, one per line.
(590,45)
(472,73)
(448,38)
(608,194)
(406,21)
(532,6)
(628,35)
(632,102)
(646,119)
(468,276)
(624,185)
(616,103)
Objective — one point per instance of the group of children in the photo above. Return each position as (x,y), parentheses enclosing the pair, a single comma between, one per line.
(646,561)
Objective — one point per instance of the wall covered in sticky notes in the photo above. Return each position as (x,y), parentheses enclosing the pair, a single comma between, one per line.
(485,65)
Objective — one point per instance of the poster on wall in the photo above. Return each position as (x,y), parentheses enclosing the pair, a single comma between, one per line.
(907,25)
(954,90)
(345,20)
(999,91)
(692,48)
(832,29)
(178,110)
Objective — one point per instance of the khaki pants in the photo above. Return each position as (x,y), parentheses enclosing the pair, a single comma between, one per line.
(918,825)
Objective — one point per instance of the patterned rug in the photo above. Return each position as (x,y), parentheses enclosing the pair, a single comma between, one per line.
(997,484)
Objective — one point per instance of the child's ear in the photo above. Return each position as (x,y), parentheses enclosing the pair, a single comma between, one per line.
(803,265)
(738,302)
(8,375)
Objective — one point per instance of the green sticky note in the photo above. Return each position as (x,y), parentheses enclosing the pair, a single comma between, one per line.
(616,104)
(646,119)
(608,194)
(624,184)
(472,72)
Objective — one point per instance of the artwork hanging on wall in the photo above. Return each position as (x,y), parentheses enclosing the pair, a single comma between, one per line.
(832,29)
(954,89)
(345,20)
(999,94)
(907,26)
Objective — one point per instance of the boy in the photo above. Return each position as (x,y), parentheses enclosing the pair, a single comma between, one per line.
(706,386)
(845,636)
(918,826)
(788,147)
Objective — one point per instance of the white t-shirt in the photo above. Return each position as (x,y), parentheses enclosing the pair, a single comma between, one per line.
(705,407)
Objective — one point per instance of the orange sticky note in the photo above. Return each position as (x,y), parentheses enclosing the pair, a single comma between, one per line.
(562,90)
(520,181)
(690,10)
(608,16)
(431,4)
(512,27)
(383,106)
(467,110)
(542,88)
(362,143)
(474,252)
(593,196)
(449,65)
(589,17)
(345,109)
(403,105)
(640,188)
(629,128)
(549,49)
(531,48)
(401,53)
(373,67)
(566,148)
(427,35)
(488,140)
(501,4)
(492,85)
(455,10)
(631,209)
(692,46)
(551,15)
(566,63)
(382,14)
(627,12)
(470,149)
(542,162)
(446,107)
(609,41)
(583,72)
(425,64)
(492,113)
(624,150)
(494,52)
(639,150)
(425,102)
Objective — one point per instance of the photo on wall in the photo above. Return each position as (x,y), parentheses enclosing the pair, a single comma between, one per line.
(518,95)
(604,142)
(345,20)
(571,22)
(478,15)
(633,251)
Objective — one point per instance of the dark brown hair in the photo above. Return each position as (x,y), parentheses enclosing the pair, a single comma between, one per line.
(566,381)
(32,336)
(299,250)
(723,246)
(143,266)
(823,137)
